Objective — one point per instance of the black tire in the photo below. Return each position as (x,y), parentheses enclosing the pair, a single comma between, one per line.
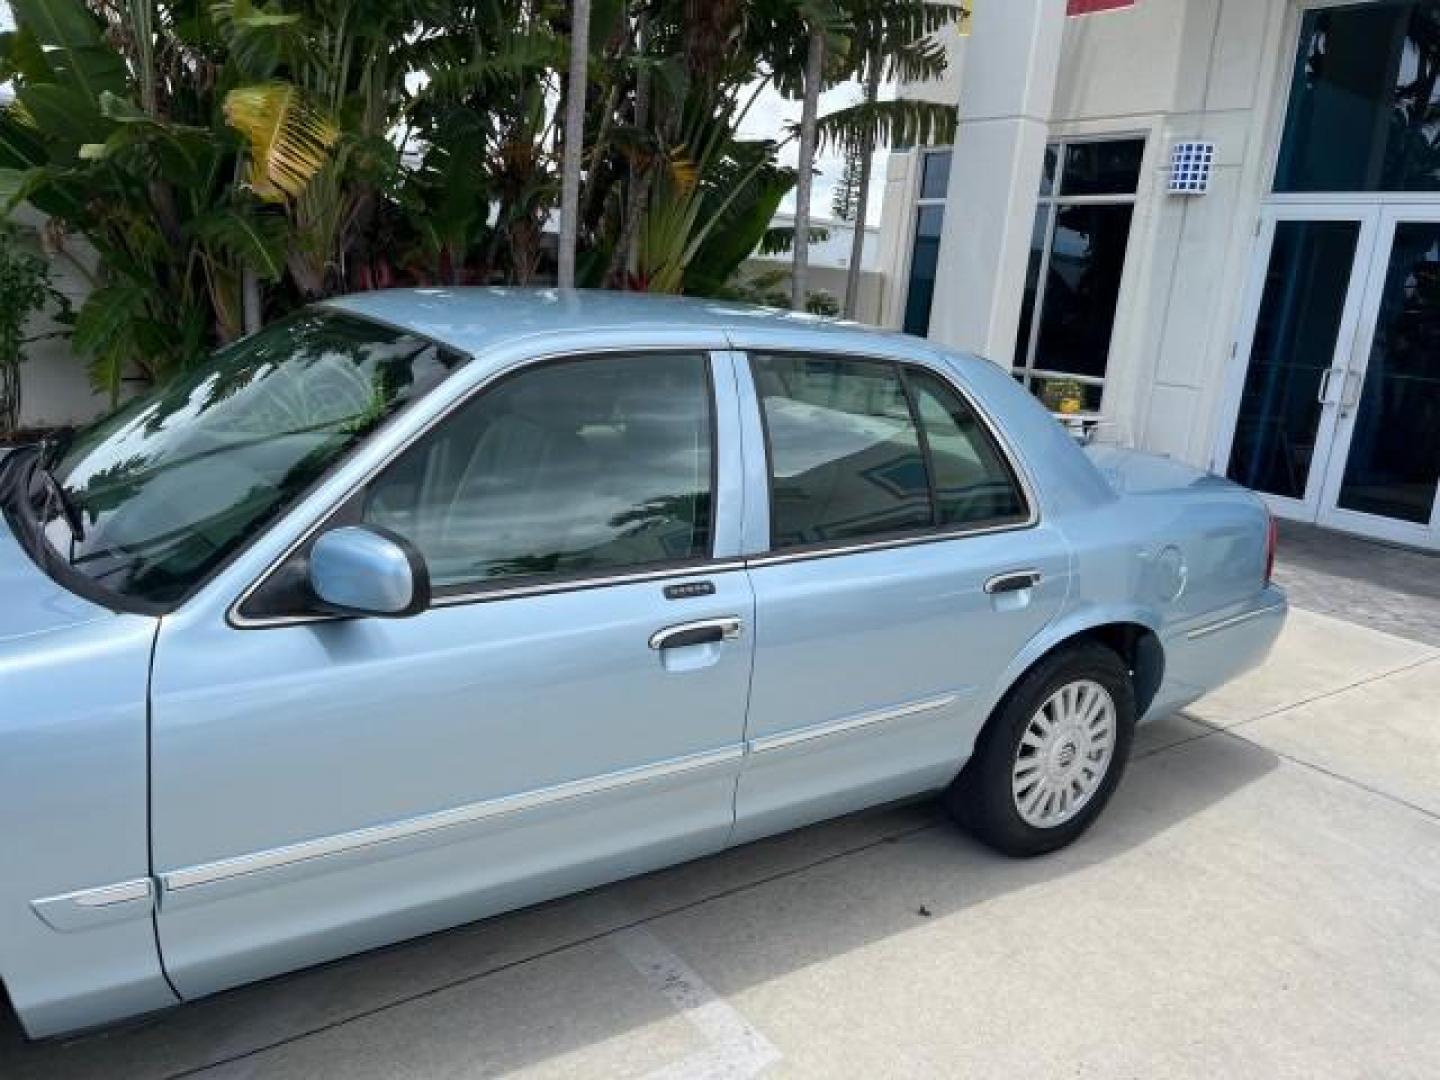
(981,797)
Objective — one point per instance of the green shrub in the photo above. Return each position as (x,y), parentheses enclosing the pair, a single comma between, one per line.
(24,290)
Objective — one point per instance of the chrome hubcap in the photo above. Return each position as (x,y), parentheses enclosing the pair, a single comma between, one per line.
(1064,754)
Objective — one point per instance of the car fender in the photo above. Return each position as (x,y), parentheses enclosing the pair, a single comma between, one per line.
(1073,623)
(77,945)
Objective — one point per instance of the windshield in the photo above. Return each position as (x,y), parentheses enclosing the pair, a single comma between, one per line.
(148,502)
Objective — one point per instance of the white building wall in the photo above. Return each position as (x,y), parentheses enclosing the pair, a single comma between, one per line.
(829,265)
(1211,70)
(54,386)
(897,233)
(1006,94)
(1171,70)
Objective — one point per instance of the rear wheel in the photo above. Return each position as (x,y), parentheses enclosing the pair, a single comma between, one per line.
(1051,755)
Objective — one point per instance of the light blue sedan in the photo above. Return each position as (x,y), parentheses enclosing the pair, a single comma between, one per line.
(425,605)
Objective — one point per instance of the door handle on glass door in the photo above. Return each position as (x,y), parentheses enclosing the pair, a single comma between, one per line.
(1326,380)
(1348,401)
(705,632)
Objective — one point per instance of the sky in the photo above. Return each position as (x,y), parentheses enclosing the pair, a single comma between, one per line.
(771,117)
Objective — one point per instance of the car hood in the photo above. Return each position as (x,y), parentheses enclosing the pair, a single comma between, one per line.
(31,603)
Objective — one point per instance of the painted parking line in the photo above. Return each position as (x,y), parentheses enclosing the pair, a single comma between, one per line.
(734,1050)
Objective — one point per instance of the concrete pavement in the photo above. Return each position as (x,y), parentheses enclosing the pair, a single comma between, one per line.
(1379,585)
(1259,900)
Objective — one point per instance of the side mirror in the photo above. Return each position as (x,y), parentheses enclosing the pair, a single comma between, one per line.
(361,570)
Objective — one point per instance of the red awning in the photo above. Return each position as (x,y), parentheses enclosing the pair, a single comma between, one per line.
(1090,7)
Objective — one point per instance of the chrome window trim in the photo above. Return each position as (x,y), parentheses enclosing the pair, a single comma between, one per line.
(662,572)
(932,535)
(486,595)
(221,870)
(1234,620)
(824,730)
(545,588)
(917,540)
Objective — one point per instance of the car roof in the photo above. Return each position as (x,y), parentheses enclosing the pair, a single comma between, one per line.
(474,319)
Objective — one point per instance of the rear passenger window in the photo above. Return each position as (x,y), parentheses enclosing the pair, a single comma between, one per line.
(845,460)
(578,467)
(974,484)
(858,452)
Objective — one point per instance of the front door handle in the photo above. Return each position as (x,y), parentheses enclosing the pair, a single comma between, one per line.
(1013,582)
(705,632)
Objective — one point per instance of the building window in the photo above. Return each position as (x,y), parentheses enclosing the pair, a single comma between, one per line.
(1364,100)
(1077,257)
(925,252)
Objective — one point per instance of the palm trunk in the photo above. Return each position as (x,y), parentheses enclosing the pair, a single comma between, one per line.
(574,142)
(141,18)
(250,300)
(814,71)
(862,199)
(625,262)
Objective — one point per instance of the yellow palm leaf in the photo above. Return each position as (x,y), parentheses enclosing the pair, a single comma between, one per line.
(289,139)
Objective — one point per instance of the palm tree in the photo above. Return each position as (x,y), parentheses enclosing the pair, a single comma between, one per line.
(860,210)
(891,39)
(574,142)
(814,72)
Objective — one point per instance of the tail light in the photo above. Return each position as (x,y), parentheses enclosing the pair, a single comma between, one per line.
(1272,541)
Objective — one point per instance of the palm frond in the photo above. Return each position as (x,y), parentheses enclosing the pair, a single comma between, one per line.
(889,123)
(451,79)
(289,139)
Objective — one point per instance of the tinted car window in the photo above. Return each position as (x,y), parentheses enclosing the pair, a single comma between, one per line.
(567,468)
(974,484)
(845,459)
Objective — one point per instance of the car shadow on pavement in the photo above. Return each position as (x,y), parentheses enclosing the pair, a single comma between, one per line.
(533,987)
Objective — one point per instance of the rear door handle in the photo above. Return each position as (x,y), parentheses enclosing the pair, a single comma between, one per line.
(704,632)
(1015,581)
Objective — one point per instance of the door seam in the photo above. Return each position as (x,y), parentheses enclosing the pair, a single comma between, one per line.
(155,890)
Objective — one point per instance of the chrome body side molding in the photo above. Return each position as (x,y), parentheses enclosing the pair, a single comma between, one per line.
(175,883)
(784,739)
(1234,620)
(99,906)
(426,825)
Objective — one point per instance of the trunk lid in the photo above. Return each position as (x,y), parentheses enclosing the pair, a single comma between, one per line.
(1132,472)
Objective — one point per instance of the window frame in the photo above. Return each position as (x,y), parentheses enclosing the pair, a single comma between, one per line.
(1282,83)
(920,203)
(930,534)
(348,508)
(1052,201)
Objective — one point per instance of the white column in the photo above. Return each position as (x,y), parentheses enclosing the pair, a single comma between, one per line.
(1007,91)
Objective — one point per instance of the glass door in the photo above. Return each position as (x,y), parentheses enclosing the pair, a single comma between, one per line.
(1384,473)
(1302,311)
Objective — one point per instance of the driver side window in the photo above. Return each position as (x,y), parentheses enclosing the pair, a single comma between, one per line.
(566,468)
